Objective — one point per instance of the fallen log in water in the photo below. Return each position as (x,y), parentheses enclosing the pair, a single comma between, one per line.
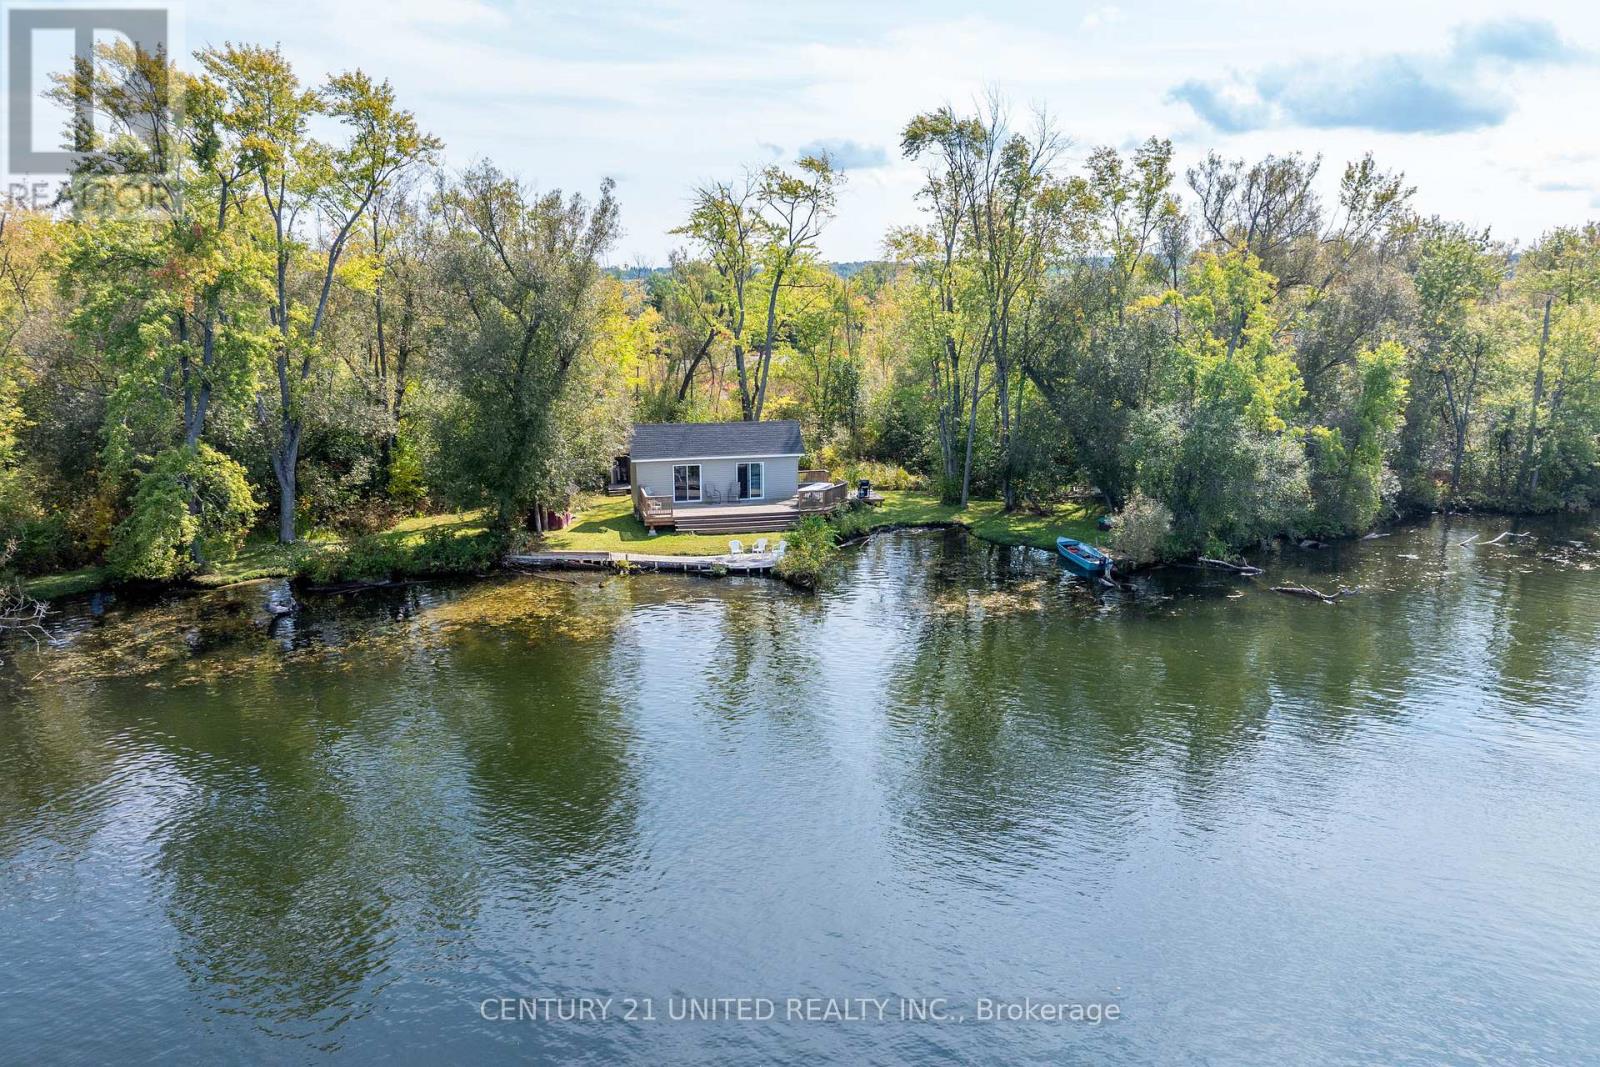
(1236,568)
(1301,590)
(1505,535)
(1313,594)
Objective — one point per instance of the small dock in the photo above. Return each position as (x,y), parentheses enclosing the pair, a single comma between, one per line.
(760,563)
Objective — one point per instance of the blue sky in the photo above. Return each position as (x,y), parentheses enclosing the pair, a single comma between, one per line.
(1490,108)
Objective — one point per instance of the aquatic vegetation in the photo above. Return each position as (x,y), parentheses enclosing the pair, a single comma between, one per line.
(207,637)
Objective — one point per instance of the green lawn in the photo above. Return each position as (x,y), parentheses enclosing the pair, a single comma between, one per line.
(68,583)
(606,524)
(988,520)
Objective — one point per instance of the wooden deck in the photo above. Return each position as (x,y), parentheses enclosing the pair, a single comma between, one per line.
(745,563)
(741,517)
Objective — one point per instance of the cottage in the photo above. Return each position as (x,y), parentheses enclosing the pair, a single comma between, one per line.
(724,477)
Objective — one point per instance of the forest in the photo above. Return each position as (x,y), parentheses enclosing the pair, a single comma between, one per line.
(267,309)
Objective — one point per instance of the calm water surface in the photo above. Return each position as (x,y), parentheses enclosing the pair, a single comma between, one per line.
(1268,830)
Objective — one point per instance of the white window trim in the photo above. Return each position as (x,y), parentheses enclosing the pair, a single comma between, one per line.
(699,483)
(748,463)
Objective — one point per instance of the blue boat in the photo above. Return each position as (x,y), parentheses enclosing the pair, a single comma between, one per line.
(1086,561)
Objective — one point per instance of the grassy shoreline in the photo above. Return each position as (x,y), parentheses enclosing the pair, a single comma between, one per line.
(606,524)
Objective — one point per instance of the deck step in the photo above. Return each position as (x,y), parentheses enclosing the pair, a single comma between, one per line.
(724,523)
(738,528)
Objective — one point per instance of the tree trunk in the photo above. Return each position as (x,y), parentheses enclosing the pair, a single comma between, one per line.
(1002,377)
(286,501)
(764,369)
(972,429)
(744,383)
(1530,473)
(1460,449)
(688,375)
(285,463)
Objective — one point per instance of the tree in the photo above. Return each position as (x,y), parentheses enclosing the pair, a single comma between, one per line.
(301,182)
(726,225)
(1457,272)
(756,233)
(162,292)
(794,210)
(1104,353)
(998,208)
(192,493)
(27,251)
(1561,273)
(1219,454)
(525,271)
(1348,461)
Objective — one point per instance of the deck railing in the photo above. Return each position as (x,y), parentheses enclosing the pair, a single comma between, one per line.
(814,476)
(811,501)
(654,510)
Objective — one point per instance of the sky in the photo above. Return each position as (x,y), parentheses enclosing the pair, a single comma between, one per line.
(1490,108)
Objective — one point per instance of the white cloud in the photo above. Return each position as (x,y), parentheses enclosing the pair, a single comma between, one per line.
(1109,15)
(662,97)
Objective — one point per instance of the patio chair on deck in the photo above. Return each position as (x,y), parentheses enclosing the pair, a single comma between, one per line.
(760,546)
(735,548)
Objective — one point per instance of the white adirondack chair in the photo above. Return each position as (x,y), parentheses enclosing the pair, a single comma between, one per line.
(735,548)
(760,546)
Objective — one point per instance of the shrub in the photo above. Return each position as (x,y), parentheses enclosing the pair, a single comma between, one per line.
(407,483)
(45,543)
(811,552)
(189,496)
(442,552)
(382,559)
(852,522)
(1143,530)
(884,476)
(369,559)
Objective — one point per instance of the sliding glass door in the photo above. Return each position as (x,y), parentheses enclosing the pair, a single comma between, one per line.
(752,481)
(686,482)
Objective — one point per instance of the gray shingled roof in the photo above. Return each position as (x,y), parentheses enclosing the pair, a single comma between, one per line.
(694,440)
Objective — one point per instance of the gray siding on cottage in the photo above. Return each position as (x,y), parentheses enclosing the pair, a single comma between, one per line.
(782,476)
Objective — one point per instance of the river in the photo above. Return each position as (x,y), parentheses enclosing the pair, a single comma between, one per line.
(1219,824)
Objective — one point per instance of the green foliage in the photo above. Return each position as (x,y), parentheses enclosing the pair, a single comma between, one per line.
(1347,467)
(853,522)
(884,476)
(407,483)
(191,497)
(1251,361)
(379,558)
(811,553)
(44,543)
(525,270)
(1143,530)
(1225,483)
(448,553)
